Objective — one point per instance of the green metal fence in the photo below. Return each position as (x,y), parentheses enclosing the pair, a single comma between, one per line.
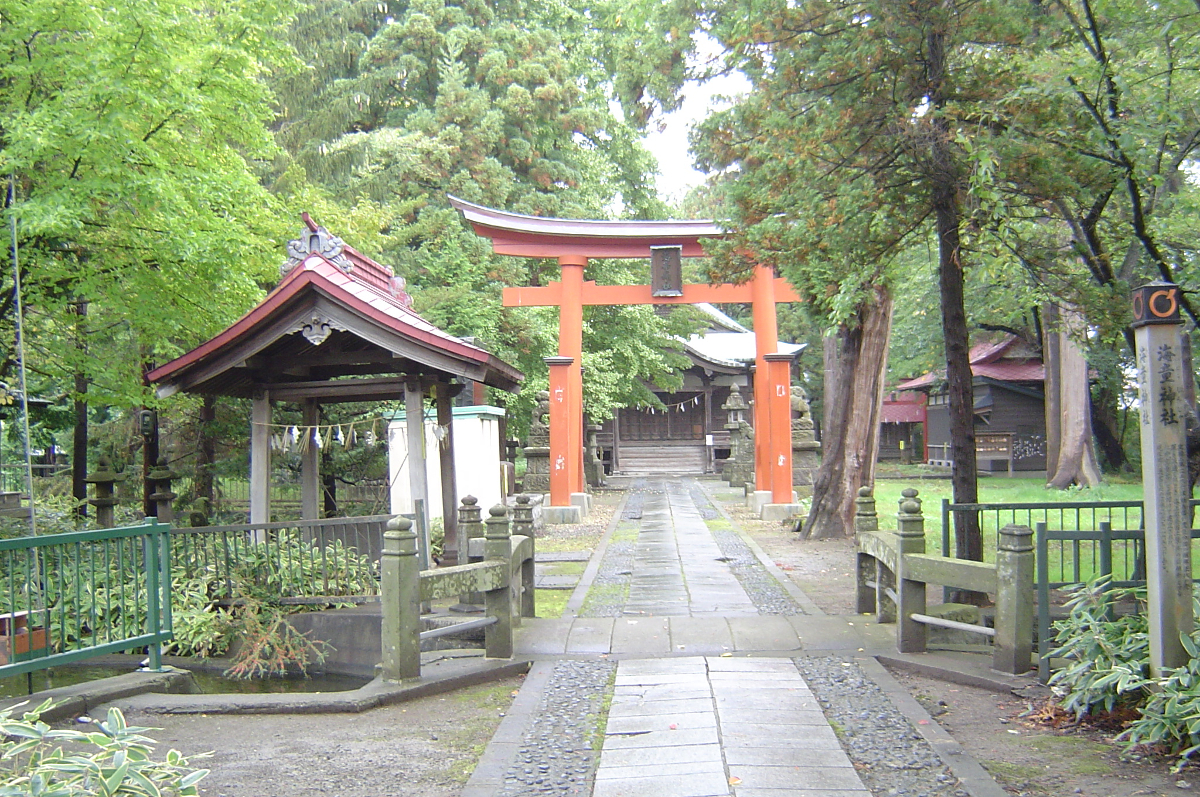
(1064,515)
(303,561)
(1119,553)
(68,597)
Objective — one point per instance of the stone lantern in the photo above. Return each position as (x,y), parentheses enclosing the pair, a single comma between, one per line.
(162,476)
(105,479)
(739,468)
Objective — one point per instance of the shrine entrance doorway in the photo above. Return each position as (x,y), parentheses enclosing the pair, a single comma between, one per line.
(665,243)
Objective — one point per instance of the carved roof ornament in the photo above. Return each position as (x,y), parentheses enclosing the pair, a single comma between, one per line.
(318,329)
(317,240)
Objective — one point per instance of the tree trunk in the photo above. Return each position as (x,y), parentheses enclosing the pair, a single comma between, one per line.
(1075,460)
(207,455)
(79,441)
(944,181)
(855,366)
(1108,428)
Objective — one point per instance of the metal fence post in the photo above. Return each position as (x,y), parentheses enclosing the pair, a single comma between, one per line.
(910,533)
(498,637)
(400,588)
(865,519)
(1014,604)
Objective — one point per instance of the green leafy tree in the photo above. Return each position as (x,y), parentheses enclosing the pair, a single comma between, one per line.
(129,131)
(505,104)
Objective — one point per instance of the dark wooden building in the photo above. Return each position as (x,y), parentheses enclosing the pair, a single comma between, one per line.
(689,435)
(1008,381)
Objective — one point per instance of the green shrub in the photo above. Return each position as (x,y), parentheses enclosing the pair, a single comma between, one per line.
(1171,715)
(112,759)
(1108,659)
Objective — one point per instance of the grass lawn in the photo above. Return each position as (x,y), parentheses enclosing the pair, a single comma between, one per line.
(1068,561)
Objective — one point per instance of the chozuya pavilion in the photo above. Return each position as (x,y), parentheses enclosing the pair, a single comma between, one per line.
(337,328)
(573,242)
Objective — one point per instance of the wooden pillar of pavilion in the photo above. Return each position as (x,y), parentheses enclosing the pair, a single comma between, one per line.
(454,548)
(260,461)
(310,466)
(418,484)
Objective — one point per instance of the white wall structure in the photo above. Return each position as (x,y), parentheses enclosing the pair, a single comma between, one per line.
(477,447)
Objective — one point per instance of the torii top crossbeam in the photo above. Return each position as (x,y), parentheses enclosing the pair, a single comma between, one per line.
(573,242)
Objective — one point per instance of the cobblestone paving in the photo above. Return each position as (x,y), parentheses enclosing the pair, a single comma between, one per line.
(556,755)
(889,754)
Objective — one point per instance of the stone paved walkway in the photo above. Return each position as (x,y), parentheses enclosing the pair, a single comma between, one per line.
(706,701)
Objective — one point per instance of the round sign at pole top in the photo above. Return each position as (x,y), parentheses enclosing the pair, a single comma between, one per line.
(1156,303)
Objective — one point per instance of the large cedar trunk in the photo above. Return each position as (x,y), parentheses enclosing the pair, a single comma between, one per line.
(855,365)
(1070,454)
(944,178)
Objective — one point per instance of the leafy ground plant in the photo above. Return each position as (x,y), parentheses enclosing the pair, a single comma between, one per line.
(113,758)
(1107,656)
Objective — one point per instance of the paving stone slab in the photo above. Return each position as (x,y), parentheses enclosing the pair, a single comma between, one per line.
(683,737)
(654,694)
(655,756)
(662,722)
(786,756)
(807,777)
(661,769)
(626,707)
(701,785)
(590,635)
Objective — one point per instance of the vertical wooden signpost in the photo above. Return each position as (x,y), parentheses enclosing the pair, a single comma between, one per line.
(1164,471)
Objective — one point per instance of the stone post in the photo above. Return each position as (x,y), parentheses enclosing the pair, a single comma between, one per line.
(1013,647)
(471,527)
(522,521)
(105,480)
(865,519)
(1157,323)
(162,476)
(737,469)
(400,588)
(910,537)
(498,603)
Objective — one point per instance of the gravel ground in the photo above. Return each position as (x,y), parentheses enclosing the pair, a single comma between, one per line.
(556,755)
(889,754)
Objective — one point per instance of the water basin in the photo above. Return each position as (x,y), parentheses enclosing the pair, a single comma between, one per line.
(208,682)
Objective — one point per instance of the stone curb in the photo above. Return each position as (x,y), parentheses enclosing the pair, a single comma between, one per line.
(575,603)
(971,775)
(488,775)
(788,585)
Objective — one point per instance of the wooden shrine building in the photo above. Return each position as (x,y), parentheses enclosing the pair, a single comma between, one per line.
(573,242)
(337,328)
(689,434)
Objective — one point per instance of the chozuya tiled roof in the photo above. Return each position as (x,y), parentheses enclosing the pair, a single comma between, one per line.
(322,263)
(1008,360)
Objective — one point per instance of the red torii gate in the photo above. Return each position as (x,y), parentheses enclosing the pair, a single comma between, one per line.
(572,242)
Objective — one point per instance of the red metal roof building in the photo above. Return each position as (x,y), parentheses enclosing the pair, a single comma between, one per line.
(1009,397)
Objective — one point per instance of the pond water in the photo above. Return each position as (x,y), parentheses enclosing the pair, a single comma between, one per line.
(209,683)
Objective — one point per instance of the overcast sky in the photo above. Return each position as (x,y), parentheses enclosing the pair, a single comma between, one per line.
(671,145)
